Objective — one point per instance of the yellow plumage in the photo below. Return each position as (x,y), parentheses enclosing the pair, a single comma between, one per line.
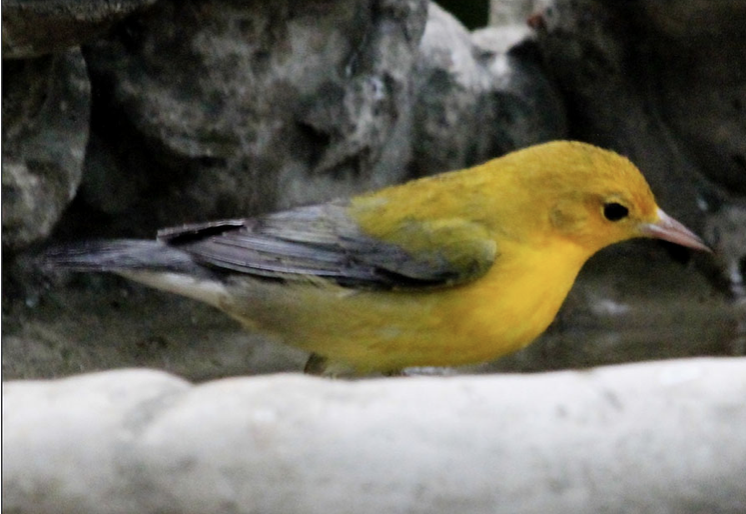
(368,331)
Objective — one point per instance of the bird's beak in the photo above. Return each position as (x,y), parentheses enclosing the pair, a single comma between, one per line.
(669,229)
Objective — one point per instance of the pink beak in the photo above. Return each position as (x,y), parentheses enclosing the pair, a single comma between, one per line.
(669,229)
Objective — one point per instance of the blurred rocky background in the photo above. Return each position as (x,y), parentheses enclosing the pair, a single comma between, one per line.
(123,117)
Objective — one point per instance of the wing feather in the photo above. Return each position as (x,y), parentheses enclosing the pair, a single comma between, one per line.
(322,241)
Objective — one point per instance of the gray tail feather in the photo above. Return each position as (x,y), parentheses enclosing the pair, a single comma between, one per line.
(120,255)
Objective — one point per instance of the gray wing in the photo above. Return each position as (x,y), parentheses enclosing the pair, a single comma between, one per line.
(321,241)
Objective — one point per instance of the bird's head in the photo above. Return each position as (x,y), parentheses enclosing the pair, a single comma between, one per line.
(596,197)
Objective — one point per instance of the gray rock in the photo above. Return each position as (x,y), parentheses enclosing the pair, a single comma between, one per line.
(697,46)
(659,438)
(46,103)
(510,12)
(725,229)
(33,28)
(234,108)
(479,96)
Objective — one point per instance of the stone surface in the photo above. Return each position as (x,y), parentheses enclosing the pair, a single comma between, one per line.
(697,46)
(655,438)
(724,228)
(510,12)
(663,83)
(479,96)
(46,103)
(33,28)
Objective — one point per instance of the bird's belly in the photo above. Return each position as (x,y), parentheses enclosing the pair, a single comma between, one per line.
(387,330)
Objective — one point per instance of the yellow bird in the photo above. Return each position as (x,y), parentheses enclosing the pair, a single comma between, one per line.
(452,269)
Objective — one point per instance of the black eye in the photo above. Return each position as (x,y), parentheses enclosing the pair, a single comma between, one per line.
(615,211)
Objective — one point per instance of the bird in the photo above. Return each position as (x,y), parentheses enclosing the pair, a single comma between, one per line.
(450,269)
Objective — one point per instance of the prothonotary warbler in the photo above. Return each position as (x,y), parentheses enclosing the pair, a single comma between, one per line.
(451,269)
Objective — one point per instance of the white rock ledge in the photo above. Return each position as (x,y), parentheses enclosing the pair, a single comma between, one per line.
(666,437)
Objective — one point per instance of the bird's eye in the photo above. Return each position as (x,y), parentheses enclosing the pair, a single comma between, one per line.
(615,211)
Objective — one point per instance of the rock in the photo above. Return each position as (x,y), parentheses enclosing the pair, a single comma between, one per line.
(725,229)
(512,12)
(231,108)
(479,96)
(697,46)
(46,103)
(654,438)
(33,29)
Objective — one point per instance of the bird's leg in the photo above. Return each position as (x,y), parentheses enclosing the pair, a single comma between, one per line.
(316,365)
(321,366)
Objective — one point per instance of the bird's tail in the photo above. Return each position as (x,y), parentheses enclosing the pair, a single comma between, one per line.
(119,255)
(152,263)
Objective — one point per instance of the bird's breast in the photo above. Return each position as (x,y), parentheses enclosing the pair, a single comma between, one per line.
(513,303)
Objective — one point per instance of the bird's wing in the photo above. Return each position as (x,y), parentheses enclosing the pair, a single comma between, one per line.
(322,241)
